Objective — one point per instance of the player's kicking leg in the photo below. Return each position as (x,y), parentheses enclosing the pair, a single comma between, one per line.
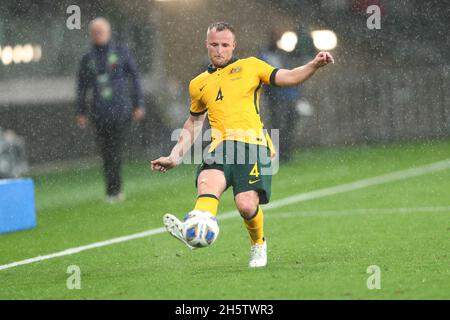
(248,206)
(210,184)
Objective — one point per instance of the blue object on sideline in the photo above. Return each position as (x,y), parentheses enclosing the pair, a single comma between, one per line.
(17,208)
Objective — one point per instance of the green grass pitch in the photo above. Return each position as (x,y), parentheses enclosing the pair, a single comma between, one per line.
(318,249)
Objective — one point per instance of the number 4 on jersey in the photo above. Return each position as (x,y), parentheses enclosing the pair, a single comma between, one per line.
(219,95)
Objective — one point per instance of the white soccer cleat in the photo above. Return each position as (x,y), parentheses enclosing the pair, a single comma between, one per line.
(175,228)
(258,255)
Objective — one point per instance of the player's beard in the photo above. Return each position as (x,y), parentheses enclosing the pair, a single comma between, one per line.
(221,63)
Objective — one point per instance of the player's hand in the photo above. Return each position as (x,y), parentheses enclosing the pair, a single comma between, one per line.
(138,114)
(162,164)
(81,121)
(322,59)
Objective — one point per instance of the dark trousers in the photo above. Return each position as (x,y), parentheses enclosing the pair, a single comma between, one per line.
(110,140)
(284,116)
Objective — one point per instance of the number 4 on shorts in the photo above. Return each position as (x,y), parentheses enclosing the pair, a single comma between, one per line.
(255,171)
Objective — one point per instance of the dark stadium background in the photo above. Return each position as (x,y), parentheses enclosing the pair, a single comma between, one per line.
(388,85)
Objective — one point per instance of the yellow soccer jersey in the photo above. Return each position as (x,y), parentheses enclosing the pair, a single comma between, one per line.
(231,96)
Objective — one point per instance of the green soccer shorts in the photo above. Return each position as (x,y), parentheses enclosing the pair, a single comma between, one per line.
(245,166)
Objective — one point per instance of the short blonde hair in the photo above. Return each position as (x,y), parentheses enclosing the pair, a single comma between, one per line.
(221,26)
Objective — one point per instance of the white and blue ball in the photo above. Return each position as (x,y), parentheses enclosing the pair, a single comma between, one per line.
(200,228)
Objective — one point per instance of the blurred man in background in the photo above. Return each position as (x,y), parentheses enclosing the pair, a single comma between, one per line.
(107,69)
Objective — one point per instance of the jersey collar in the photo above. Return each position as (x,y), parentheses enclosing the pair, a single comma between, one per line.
(212,68)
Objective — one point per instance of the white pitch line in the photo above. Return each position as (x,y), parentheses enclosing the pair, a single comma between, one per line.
(84,248)
(301,197)
(361,211)
(360,184)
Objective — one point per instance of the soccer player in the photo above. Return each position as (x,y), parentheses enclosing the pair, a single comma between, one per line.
(229,93)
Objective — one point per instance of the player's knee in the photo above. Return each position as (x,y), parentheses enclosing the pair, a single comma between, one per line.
(247,212)
(247,206)
(202,185)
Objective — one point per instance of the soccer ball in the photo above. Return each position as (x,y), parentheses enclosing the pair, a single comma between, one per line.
(200,228)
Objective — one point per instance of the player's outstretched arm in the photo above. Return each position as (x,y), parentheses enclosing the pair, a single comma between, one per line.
(191,129)
(286,78)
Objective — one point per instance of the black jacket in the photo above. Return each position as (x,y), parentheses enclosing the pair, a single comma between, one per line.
(107,71)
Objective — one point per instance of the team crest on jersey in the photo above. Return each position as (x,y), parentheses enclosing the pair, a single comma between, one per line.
(235,70)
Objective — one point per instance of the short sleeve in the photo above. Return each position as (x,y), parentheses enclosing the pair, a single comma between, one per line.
(197,107)
(265,71)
